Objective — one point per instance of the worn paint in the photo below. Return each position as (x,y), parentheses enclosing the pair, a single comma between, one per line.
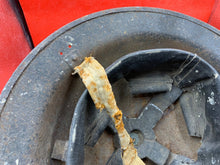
(74,134)
(3,101)
(17,161)
(211,99)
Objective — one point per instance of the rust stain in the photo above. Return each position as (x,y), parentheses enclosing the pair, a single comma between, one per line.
(97,83)
(119,125)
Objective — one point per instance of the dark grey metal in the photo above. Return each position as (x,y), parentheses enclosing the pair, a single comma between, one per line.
(153,151)
(164,100)
(37,104)
(150,115)
(95,130)
(115,159)
(137,137)
(75,152)
(150,83)
(181,160)
(193,107)
(155,108)
(147,121)
(191,71)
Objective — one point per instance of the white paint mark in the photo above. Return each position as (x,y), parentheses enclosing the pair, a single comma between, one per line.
(146,108)
(62,72)
(17,161)
(196,71)
(3,101)
(216,75)
(69,38)
(11,99)
(74,134)
(211,99)
(70,43)
(5,163)
(114,65)
(156,108)
(213,160)
(4,89)
(29,81)
(23,94)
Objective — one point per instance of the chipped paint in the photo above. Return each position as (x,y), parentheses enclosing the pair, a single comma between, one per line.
(211,99)
(116,64)
(213,160)
(24,93)
(62,72)
(17,161)
(156,108)
(74,133)
(3,101)
(69,38)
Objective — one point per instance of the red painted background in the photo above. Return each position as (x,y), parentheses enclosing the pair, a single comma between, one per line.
(45,16)
(13,44)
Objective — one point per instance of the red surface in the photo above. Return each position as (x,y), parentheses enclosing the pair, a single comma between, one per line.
(215,15)
(45,16)
(13,44)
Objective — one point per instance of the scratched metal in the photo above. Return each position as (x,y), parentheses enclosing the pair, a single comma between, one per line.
(37,104)
(141,127)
